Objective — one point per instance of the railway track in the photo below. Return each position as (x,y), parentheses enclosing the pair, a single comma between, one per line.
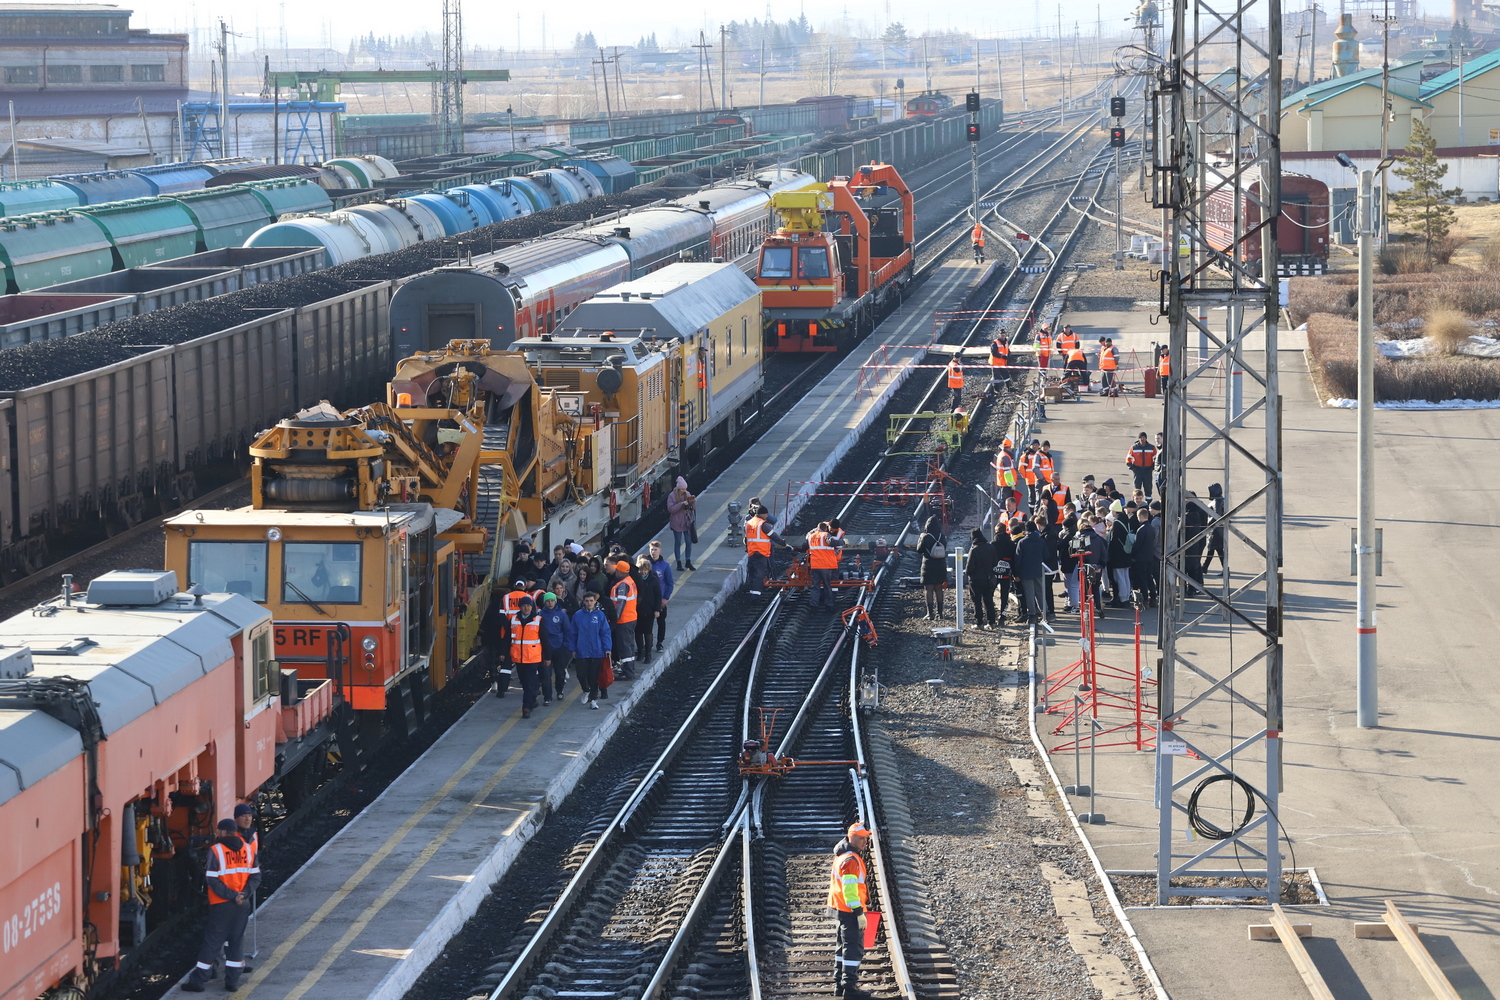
(703,884)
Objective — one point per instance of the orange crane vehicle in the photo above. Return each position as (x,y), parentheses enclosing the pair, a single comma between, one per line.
(840,259)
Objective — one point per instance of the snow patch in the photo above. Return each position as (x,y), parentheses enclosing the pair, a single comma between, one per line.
(1420,404)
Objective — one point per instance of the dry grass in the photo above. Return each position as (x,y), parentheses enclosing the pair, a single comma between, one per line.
(1448,330)
(1399,259)
(1334,347)
(1400,297)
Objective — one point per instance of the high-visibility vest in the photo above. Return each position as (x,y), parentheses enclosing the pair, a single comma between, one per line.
(1107,358)
(1164,366)
(1142,455)
(1067,341)
(233,868)
(1044,346)
(1042,463)
(1005,469)
(1076,355)
(847,887)
(1028,467)
(955,375)
(978,235)
(511,605)
(757,538)
(999,352)
(625,591)
(526,640)
(820,554)
(1061,494)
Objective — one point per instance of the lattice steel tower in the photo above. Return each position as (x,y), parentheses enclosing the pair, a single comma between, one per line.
(450,111)
(1217,160)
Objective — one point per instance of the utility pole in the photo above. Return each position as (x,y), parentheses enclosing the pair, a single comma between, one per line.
(1366,662)
(1297,62)
(1025,101)
(1385,113)
(702,48)
(762,102)
(619,81)
(723,65)
(926,66)
(223,88)
(1312,55)
(1117,140)
(609,116)
(511,114)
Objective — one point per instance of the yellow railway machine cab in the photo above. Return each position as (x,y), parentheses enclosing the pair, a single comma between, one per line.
(355,547)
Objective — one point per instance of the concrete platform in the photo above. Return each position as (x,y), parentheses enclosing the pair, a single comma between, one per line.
(1409,811)
(376,905)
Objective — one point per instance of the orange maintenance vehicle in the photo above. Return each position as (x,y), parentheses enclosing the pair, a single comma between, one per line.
(840,260)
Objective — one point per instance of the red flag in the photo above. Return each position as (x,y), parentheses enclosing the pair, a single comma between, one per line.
(872,928)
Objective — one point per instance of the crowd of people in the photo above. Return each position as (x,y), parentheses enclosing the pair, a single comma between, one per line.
(594,616)
(1100,544)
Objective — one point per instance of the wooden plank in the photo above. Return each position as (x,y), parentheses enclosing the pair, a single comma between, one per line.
(1417,952)
(1378,929)
(1311,977)
(1267,932)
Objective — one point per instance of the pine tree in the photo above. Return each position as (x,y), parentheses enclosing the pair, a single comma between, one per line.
(1424,206)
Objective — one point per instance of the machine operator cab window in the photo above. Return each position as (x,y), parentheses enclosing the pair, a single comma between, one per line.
(776,262)
(321,573)
(812,262)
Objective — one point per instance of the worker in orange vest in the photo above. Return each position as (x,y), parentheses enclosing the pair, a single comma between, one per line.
(1043,466)
(760,532)
(1141,460)
(231,879)
(504,663)
(956,382)
(1109,360)
(1163,366)
(1067,340)
(1005,474)
(822,560)
(1027,465)
(1044,348)
(623,593)
(1077,366)
(999,360)
(849,898)
(526,652)
(978,238)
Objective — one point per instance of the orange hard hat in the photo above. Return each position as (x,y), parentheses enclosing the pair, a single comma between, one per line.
(858,830)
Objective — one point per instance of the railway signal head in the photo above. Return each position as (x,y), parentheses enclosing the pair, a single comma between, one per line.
(1117,107)
(1117,137)
(973,131)
(971,102)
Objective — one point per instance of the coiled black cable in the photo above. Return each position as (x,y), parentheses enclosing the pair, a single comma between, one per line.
(1207,830)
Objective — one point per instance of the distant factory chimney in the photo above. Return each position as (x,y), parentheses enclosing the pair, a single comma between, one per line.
(1345,48)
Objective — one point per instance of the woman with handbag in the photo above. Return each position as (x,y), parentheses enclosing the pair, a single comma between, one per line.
(682,518)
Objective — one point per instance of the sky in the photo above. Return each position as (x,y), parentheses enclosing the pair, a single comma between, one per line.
(488,24)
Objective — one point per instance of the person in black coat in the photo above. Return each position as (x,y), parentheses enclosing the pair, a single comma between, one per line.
(1005,557)
(981,572)
(1144,556)
(932,546)
(1195,529)
(647,605)
(1119,560)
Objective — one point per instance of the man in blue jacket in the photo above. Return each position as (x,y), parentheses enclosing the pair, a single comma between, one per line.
(557,648)
(590,640)
(1034,555)
(663,570)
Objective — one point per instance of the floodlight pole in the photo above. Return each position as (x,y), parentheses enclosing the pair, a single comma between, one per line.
(1366,663)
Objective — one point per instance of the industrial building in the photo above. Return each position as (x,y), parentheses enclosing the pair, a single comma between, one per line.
(80,76)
